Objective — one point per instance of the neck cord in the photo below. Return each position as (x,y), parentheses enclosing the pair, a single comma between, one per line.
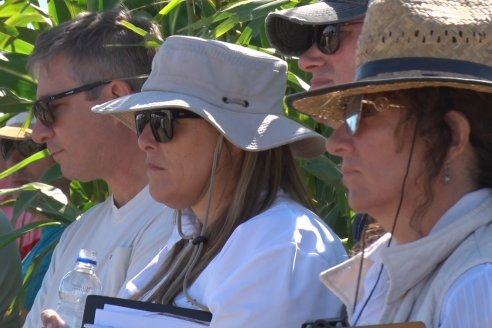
(199,241)
(393,228)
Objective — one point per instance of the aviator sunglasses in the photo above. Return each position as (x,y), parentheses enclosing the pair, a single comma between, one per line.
(25,148)
(358,107)
(161,122)
(44,112)
(327,37)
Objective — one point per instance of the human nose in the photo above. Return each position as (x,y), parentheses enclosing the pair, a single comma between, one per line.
(340,142)
(312,59)
(146,140)
(41,133)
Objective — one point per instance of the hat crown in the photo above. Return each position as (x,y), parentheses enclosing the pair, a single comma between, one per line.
(239,91)
(449,29)
(14,128)
(20,119)
(226,75)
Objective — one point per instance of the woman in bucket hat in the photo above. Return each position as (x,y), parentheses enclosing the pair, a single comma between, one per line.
(413,131)
(220,151)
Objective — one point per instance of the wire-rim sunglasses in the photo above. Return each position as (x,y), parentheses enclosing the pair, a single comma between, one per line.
(360,105)
(161,122)
(44,113)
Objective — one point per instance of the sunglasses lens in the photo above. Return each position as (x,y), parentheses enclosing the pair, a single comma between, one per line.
(353,114)
(42,112)
(25,148)
(28,147)
(141,120)
(161,124)
(6,147)
(329,40)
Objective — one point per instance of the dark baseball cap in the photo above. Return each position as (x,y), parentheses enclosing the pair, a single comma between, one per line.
(290,31)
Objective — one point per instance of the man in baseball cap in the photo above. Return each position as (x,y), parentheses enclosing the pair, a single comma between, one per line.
(323,35)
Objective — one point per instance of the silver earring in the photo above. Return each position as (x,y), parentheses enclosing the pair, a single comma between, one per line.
(447,177)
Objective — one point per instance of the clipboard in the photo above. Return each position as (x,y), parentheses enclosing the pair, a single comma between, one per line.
(398,325)
(95,302)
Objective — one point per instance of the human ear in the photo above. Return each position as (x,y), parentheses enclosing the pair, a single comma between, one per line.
(120,89)
(460,134)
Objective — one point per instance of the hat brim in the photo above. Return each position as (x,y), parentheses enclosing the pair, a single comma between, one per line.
(325,103)
(290,30)
(270,133)
(15,133)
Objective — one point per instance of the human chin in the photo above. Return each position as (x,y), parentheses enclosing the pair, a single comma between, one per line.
(162,193)
(358,200)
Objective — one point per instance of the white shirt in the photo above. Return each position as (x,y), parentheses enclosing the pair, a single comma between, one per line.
(125,240)
(467,302)
(267,273)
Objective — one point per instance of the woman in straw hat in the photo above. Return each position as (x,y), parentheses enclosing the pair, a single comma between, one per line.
(413,131)
(247,247)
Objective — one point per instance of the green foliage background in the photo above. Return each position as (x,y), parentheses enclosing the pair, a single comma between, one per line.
(235,21)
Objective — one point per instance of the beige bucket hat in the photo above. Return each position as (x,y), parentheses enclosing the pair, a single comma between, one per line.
(14,128)
(236,89)
(409,44)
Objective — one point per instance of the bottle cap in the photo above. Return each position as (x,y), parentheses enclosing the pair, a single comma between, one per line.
(87,256)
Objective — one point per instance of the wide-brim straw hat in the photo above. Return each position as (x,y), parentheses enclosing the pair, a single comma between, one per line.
(236,89)
(14,128)
(290,31)
(407,44)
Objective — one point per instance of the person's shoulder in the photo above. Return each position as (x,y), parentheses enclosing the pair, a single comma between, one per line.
(286,214)
(283,221)
(86,219)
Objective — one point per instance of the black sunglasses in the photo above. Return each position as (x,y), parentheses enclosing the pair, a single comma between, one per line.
(327,37)
(43,111)
(161,121)
(25,147)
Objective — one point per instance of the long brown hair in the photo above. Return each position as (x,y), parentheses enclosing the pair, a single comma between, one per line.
(263,174)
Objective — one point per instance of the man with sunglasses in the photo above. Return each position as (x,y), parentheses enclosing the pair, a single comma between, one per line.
(322,35)
(77,67)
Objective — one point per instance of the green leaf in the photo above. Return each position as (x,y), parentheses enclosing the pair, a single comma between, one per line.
(133,28)
(297,81)
(11,103)
(52,174)
(324,169)
(8,29)
(23,20)
(7,238)
(226,26)
(22,164)
(170,7)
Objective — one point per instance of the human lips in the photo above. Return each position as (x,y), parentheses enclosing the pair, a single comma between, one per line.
(153,167)
(55,152)
(321,82)
(348,172)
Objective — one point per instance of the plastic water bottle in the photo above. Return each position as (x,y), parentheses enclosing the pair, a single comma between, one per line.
(75,286)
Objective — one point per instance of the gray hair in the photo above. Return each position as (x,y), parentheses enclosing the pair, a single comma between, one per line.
(99,46)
